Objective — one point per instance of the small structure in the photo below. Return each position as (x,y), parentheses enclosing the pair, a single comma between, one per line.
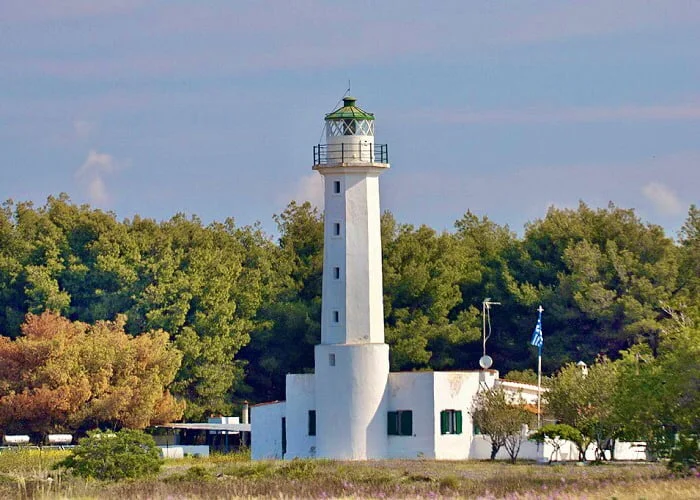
(222,434)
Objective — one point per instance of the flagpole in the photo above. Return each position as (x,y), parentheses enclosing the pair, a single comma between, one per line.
(539,386)
(539,373)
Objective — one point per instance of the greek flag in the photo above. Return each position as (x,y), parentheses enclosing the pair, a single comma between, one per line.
(537,339)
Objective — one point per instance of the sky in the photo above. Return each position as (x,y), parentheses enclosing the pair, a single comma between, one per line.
(504,108)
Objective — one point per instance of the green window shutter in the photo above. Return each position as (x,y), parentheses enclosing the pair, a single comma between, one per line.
(477,430)
(406,423)
(312,422)
(444,422)
(391,420)
(458,422)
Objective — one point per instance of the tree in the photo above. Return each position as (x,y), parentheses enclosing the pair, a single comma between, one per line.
(110,456)
(288,324)
(555,435)
(501,417)
(588,402)
(62,375)
(672,416)
(604,274)
(202,284)
(423,271)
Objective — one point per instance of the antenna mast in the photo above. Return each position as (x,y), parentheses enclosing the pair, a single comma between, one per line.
(485,361)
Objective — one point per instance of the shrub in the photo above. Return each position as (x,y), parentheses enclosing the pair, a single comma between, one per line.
(196,474)
(298,469)
(254,470)
(113,456)
(685,456)
(449,483)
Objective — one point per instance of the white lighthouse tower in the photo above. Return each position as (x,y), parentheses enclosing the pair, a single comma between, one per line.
(351,407)
(352,361)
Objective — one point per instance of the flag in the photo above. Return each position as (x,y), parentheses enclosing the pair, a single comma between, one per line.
(537,339)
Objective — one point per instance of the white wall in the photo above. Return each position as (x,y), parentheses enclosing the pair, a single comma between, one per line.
(481,450)
(630,450)
(300,399)
(527,392)
(413,391)
(350,400)
(357,295)
(456,391)
(266,430)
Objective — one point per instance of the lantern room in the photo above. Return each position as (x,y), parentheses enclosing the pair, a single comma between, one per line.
(349,138)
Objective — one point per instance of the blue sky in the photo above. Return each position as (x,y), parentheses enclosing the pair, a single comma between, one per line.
(212,108)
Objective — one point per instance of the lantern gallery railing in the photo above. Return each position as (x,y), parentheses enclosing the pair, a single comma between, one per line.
(330,154)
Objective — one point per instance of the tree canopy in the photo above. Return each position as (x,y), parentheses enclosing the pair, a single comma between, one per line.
(242,308)
(62,375)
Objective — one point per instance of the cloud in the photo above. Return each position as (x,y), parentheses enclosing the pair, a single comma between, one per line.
(674,112)
(663,198)
(308,188)
(91,175)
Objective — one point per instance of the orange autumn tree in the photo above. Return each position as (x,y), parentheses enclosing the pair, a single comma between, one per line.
(64,376)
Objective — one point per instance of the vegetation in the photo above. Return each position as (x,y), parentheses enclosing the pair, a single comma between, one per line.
(501,418)
(29,474)
(556,434)
(109,456)
(241,310)
(62,375)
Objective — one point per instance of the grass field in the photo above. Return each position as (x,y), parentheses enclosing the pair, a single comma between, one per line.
(28,474)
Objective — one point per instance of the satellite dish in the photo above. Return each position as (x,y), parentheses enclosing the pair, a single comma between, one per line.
(485,362)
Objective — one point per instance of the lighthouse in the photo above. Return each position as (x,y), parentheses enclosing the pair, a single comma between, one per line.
(352,360)
(352,407)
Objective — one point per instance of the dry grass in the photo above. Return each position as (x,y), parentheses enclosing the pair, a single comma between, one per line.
(28,475)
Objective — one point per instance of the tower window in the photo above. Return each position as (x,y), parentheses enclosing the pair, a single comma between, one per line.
(451,422)
(331,359)
(400,423)
(312,422)
(336,316)
(336,187)
(336,273)
(336,229)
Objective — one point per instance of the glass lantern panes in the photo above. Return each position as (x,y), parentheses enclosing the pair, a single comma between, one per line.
(349,126)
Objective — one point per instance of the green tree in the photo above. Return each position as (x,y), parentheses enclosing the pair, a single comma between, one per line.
(604,273)
(589,402)
(423,272)
(288,324)
(500,416)
(555,435)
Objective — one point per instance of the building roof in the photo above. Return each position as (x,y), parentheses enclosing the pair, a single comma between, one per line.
(349,111)
(202,426)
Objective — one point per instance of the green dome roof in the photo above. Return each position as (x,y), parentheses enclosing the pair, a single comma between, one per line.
(349,110)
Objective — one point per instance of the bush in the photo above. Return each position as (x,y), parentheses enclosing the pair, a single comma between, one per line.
(253,470)
(298,469)
(685,456)
(112,456)
(195,474)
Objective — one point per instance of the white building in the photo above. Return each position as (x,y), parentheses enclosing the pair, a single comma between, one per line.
(352,407)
